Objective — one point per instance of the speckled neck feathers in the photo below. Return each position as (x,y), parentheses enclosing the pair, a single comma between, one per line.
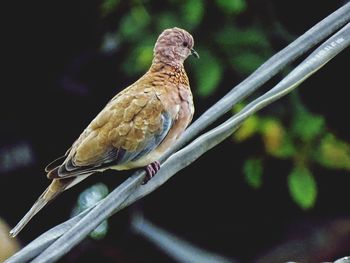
(162,72)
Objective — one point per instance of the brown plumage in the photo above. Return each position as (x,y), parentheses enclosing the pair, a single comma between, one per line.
(136,126)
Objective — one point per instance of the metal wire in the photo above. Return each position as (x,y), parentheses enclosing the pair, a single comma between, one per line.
(56,242)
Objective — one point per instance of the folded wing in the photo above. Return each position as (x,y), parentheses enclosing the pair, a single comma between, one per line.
(128,128)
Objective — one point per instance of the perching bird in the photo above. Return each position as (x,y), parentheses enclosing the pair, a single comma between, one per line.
(136,126)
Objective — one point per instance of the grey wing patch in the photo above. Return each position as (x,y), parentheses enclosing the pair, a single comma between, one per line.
(117,156)
(69,169)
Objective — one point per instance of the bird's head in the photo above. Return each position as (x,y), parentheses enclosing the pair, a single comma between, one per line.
(173,46)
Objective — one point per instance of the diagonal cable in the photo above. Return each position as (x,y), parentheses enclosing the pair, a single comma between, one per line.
(125,191)
(194,150)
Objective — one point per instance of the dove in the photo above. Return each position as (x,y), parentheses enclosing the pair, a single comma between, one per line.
(135,128)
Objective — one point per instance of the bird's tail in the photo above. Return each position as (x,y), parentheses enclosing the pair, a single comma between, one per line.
(53,190)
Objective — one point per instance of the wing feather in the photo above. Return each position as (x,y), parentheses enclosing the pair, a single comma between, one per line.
(113,138)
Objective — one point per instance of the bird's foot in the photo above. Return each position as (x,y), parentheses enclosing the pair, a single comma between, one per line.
(151,170)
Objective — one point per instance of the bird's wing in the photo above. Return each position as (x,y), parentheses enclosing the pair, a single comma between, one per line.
(128,128)
(57,162)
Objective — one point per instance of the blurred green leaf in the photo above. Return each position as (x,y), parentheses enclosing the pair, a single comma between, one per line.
(100,232)
(238,107)
(307,126)
(247,129)
(286,149)
(276,141)
(140,57)
(207,72)
(192,12)
(246,62)
(145,56)
(272,133)
(246,49)
(333,153)
(253,170)
(232,7)
(88,198)
(166,20)
(235,40)
(302,187)
(133,23)
(109,6)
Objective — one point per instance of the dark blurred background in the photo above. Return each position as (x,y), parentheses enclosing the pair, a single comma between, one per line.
(276,191)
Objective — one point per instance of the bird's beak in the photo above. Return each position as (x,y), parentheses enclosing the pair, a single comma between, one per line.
(194,53)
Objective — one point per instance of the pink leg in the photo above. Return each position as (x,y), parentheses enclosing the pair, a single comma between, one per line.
(151,170)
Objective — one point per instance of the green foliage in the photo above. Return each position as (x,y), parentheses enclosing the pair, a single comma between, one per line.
(192,12)
(100,231)
(235,40)
(304,139)
(333,153)
(140,58)
(302,187)
(247,129)
(232,7)
(88,198)
(276,141)
(247,62)
(246,49)
(253,169)
(134,22)
(228,47)
(207,73)
(307,126)
(108,6)
(287,149)
(166,20)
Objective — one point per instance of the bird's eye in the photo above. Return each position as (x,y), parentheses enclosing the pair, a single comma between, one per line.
(185,44)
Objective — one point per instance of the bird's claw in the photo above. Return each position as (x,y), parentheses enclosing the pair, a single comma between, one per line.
(151,170)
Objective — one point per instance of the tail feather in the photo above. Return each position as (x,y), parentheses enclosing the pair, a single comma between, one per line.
(51,192)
